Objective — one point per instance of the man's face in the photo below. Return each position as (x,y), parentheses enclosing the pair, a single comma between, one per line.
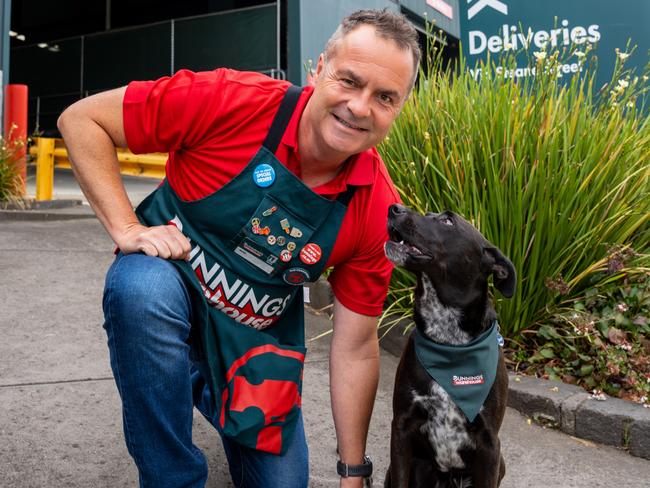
(359,92)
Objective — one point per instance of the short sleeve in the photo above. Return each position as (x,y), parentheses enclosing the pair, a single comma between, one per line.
(172,112)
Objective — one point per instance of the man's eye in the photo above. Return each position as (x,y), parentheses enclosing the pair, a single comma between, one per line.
(386,99)
(347,81)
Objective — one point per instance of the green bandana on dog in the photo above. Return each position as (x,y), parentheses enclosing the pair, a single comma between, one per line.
(465,372)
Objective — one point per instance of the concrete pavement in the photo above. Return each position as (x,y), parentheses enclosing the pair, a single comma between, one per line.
(60,421)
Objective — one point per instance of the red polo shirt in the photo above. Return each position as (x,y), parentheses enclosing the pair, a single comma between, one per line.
(212,124)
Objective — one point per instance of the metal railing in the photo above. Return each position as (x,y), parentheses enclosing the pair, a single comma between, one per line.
(104,60)
(50,153)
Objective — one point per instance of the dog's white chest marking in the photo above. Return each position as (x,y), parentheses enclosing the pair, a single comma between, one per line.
(441,323)
(445,427)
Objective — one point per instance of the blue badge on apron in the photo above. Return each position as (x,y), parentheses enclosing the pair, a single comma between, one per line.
(263,175)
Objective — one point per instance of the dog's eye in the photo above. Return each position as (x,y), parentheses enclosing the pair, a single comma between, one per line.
(446,220)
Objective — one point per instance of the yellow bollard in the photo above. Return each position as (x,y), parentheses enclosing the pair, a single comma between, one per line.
(44,168)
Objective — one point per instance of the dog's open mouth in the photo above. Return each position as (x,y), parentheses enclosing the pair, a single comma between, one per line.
(398,250)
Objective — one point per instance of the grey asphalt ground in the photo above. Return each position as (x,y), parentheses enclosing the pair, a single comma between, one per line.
(60,419)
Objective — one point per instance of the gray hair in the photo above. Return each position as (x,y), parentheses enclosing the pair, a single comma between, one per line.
(388,25)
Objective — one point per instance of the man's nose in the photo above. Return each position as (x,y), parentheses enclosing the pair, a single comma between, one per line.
(359,105)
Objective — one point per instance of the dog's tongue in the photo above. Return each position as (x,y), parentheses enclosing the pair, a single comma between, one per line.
(411,249)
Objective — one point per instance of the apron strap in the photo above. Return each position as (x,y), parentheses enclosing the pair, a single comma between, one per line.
(346,196)
(282,118)
(279,125)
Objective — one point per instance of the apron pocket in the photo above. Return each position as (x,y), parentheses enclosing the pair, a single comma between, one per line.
(260,398)
(272,238)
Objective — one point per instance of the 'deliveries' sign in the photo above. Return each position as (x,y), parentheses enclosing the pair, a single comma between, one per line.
(536,26)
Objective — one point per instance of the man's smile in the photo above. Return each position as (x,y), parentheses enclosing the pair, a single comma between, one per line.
(348,124)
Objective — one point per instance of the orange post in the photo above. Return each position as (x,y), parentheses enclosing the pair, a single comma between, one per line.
(44,168)
(15,125)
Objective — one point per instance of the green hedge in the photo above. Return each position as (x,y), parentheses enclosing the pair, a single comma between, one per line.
(554,173)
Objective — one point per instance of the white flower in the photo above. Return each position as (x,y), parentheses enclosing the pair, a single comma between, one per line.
(579,54)
(629,104)
(623,83)
(539,55)
(623,56)
(622,307)
(645,78)
(598,395)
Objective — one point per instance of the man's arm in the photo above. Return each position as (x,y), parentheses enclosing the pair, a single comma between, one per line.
(354,375)
(92,128)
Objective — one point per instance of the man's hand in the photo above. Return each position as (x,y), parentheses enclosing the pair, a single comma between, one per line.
(164,241)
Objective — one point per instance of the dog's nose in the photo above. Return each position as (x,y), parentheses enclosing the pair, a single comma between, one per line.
(396,209)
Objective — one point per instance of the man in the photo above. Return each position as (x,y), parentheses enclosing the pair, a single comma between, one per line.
(266,186)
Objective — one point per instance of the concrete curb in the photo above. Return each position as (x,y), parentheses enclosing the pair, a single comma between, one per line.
(50,211)
(31,204)
(568,408)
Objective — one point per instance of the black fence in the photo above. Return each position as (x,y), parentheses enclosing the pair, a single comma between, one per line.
(61,72)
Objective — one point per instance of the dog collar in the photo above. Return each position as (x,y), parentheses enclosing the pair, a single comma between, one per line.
(465,372)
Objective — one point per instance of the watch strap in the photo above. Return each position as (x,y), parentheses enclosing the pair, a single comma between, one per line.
(355,470)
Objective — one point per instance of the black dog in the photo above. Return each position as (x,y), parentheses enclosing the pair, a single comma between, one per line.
(434,442)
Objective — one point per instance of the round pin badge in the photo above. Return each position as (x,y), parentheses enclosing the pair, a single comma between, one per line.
(295,276)
(263,175)
(281,241)
(285,256)
(271,240)
(291,246)
(311,253)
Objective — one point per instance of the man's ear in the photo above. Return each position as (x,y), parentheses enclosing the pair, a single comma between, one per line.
(503,272)
(319,67)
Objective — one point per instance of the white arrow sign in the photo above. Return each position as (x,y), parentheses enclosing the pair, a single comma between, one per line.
(481,4)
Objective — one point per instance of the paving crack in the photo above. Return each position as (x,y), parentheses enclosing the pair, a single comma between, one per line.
(55,382)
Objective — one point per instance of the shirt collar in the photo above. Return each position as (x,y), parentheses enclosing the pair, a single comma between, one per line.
(359,170)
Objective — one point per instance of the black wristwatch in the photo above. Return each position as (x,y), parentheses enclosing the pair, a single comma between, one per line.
(355,470)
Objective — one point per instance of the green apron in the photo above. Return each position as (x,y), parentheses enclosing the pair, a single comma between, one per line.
(465,372)
(254,243)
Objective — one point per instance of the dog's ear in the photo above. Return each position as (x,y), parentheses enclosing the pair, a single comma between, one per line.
(503,272)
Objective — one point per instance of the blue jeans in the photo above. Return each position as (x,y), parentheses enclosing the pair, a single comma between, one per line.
(147,319)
